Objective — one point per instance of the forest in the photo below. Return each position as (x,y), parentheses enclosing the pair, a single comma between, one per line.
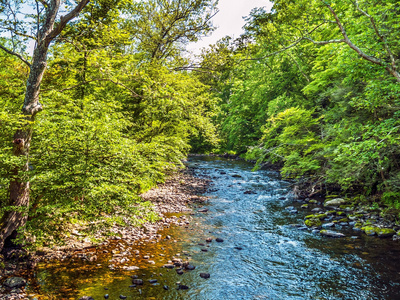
(100,101)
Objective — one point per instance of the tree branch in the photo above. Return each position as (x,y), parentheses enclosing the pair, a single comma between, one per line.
(65,19)
(15,54)
(380,36)
(392,70)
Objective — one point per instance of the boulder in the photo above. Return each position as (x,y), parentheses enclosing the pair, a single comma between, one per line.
(313,222)
(335,202)
(332,234)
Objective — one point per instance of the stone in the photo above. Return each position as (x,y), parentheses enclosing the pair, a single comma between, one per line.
(332,234)
(219,240)
(209,240)
(137,281)
(203,210)
(169,266)
(334,202)
(179,271)
(313,222)
(302,228)
(86,298)
(153,281)
(317,209)
(166,287)
(106,296)
(130,268)
(122,297)
(15,282)
(238,248)
(205,275)
(190,267)
(328,225)
(304,206)
(386,232)
(183,287)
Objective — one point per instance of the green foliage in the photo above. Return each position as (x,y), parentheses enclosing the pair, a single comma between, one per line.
(115,123)
(299,96)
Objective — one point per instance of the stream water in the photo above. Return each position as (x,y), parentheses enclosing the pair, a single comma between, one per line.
(261,257)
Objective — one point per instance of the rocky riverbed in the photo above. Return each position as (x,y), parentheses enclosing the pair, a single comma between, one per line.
(177,195)
(240,237)
(343,214)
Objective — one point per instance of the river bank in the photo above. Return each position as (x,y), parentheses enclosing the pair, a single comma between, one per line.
(180,192)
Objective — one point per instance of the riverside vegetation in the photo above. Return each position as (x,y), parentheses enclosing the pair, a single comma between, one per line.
(108,105)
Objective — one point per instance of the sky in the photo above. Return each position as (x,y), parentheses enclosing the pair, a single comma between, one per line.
(229,21)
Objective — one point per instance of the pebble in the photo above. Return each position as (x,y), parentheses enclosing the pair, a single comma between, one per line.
(204,250)
(166,287)
(205,275)
(122,297)
(327,225)
(152,280)
(169,266)
(219,240)
(183,287)
(137,281)
(190,267)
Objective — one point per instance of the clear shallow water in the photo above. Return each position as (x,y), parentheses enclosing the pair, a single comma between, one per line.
(276,261)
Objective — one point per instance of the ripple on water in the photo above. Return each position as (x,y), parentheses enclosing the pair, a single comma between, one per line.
(276,261)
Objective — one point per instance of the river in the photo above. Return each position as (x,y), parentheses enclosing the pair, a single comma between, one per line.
(261,257)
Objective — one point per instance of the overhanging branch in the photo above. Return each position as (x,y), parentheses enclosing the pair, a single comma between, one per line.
(15,54)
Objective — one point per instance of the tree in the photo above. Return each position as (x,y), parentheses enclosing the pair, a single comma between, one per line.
(48,24)
(161,27)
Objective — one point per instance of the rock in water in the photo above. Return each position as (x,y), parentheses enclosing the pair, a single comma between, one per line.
(137,281)
(332,234)
(219,240)
(335,202)
(205,275)
(190,267)
(15,282)
(183,287)
(153,281)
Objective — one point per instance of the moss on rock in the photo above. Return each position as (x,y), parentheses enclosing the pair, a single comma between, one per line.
(313,222)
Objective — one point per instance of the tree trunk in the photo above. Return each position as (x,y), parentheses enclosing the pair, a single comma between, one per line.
(19,188)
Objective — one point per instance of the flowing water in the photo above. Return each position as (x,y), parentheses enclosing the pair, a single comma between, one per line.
(261,257)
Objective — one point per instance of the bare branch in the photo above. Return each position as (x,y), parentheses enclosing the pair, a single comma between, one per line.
(15,54)
(65,19)
(392,70)
(380,36)
(18,33)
